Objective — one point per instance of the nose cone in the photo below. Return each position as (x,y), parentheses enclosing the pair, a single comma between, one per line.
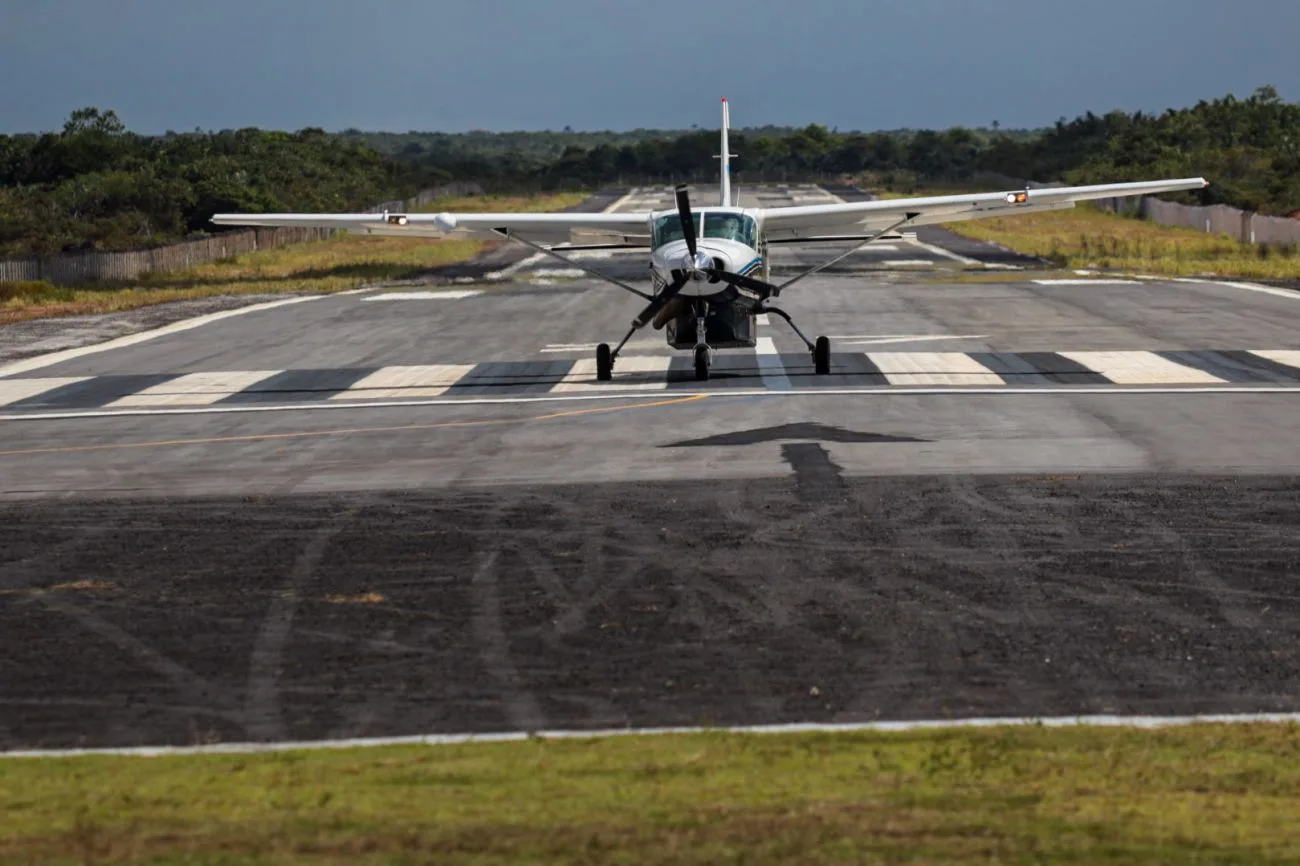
(698,262)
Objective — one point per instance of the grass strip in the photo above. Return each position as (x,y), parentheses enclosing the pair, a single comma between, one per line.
(340,263)
(1088,238)
(1196,794)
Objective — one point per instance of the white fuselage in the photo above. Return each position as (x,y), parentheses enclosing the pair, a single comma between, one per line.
(730,248)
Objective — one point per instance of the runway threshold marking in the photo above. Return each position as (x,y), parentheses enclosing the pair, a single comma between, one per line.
(348,431)
(747,393)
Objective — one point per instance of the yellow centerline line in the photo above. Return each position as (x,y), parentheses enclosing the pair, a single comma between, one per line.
(348,431)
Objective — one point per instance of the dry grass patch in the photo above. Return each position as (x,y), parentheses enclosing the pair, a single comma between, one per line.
(1208,793)
(1088,238)
(338,264)
(359,598)
(1085,237)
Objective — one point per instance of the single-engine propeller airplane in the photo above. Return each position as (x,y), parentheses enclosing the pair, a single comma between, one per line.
(703,262)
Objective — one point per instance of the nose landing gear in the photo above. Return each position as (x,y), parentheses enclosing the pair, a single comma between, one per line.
(702,354)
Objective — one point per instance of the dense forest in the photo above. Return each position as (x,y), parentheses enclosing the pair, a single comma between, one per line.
(96,185)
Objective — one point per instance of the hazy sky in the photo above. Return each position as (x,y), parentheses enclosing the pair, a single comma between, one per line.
(600,64)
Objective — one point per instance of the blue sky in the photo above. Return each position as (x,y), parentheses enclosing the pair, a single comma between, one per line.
(598,64)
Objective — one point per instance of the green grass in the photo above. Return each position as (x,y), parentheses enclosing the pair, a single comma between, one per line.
(1201,794)
(338,264)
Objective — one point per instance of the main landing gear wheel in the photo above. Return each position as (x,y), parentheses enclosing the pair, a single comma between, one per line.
(822,356)
(701,362)
(604,363)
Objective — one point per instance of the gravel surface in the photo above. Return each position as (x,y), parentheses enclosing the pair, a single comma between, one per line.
(811,598)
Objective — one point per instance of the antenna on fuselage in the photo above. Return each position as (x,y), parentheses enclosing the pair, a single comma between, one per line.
(726,155)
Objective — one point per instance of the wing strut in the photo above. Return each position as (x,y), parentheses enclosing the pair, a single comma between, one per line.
(505,233)
(895,227)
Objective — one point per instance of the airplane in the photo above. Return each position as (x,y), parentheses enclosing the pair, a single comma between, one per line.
(709,266)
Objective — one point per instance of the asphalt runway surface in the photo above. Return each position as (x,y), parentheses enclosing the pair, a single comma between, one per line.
(412,510)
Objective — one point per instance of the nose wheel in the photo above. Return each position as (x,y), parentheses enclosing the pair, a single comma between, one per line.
(702,363)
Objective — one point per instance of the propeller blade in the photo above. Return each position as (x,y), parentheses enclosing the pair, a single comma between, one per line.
(670,291)
(765,290)
(688,223)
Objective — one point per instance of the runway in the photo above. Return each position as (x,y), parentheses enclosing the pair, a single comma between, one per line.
(413,510)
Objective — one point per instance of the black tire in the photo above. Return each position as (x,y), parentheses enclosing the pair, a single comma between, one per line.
(604,363)
(822,356)
(701,362)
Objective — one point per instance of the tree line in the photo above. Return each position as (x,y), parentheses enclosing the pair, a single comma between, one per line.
(94,184)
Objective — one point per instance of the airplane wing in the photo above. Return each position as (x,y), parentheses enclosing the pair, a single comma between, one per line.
(813,221)
(545,228)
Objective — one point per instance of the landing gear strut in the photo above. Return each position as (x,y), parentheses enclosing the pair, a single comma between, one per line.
(702,358)
(821,350)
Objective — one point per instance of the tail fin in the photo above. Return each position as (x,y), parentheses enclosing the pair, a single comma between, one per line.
(726,155)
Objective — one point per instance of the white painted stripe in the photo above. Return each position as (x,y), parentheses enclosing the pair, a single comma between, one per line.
(883,248)
(1289,357)
(395,383)
(940,251)
(13,390)
(909,263)
(770,366)
(885,391)
(619,202)
(907,338)
(194,389)
(511,270)
(560,272)
(132,339)
(762,319)
(933,368)
(445,294)
(631,372)
(902,726)
(1140,368)
(1086,282)
(642,345)
(1248,287)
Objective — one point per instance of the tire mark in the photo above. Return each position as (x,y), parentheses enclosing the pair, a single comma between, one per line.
(263,715)
(522,709)
(195,688)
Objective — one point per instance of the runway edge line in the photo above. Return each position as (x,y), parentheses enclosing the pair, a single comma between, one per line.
(1099,721)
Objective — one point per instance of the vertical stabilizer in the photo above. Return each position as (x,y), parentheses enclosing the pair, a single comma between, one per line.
(725,155)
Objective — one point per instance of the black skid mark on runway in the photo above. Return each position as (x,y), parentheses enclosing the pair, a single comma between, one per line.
(802,430)
(815,474)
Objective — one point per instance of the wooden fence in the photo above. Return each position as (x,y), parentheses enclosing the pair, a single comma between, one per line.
(71,268)
(1245,226)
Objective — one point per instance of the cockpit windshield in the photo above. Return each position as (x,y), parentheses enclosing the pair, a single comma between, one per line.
(724,226)
(730,226)
(668,228)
